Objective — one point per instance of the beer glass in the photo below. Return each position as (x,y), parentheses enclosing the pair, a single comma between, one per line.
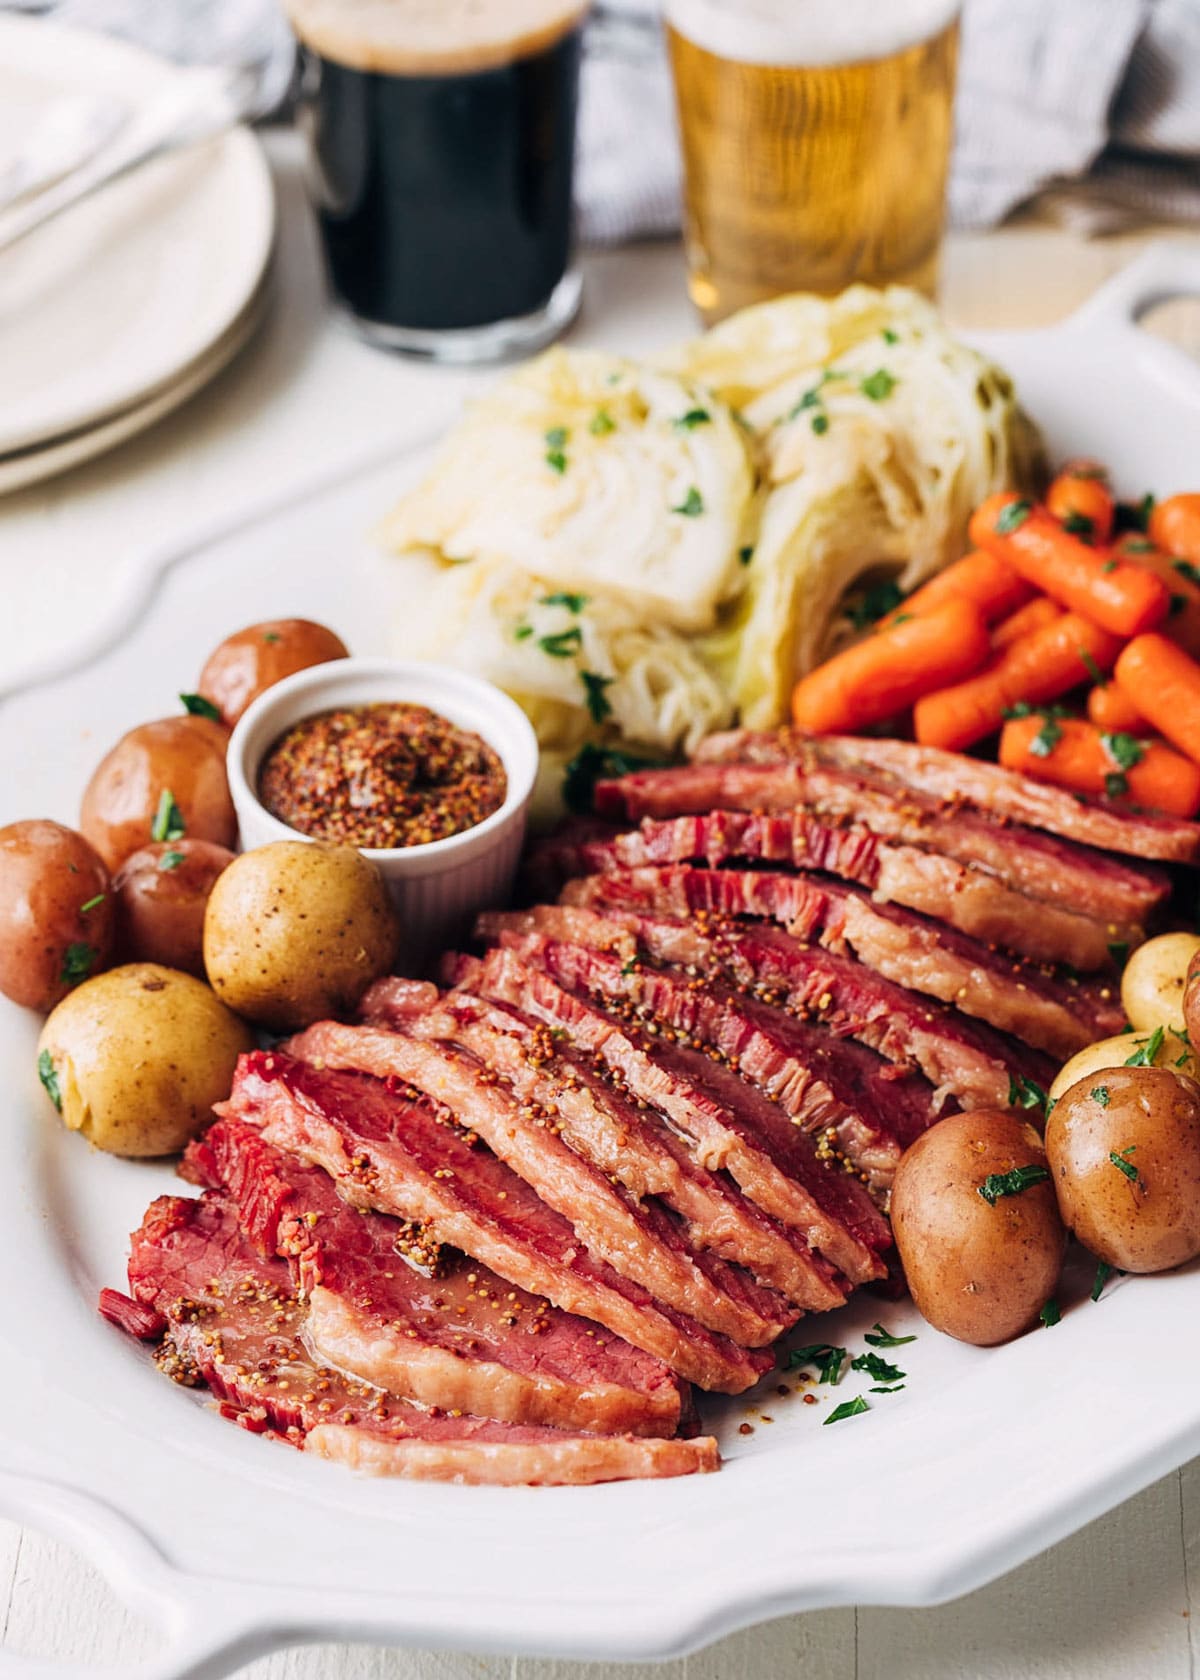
(442,139)
(816,142)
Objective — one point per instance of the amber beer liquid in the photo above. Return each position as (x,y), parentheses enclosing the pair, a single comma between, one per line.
(816,139)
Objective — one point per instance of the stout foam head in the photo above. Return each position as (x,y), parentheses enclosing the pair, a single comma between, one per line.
(431,37)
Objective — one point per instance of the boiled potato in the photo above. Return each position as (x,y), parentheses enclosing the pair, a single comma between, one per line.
(56,912)
(1152,985)
(1124,1148)
(296,931)
(170,775)
(161,894)
(1161,1047)
(980,1270)
(135,1059)
(254,659)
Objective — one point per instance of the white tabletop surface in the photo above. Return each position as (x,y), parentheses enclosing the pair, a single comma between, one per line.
(1114,1602)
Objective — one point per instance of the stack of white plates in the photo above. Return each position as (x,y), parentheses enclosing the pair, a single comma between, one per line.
(123,306)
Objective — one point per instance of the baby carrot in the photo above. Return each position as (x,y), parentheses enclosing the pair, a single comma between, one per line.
(1082,502)
(1121,597)
(1111,709)
(979,577)
(1076,755)
(875,679)
(1175,525)
(1164,685)
(1182,578)
(1038,668)
(1035,615)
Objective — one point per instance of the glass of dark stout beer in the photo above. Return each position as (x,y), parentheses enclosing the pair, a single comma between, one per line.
(442,138)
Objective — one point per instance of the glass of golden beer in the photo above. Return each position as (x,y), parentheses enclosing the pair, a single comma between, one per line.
(816,143)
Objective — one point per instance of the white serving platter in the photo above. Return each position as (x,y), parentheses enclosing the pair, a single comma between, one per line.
(235,1545)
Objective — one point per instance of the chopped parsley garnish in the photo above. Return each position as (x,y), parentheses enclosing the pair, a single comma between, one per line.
(877,1368)
(820,425)
(1099,1093)
(523,632)
(1119,950)
(563,643)
(198,706)
(1079,525)
(593,764)
(77,963)
(828,1360)
(168,821)
(812,398)
(1012,517)
(48,1074)
(1093,670)
(602,423)
(1047,738)
(1138,545)
(1147,1051)
(890,337)
(847,1409)
(1144,509)
(1050,1315)
(92,903)
(693,418)
(1103,1272)
(1188,570)
(629,968)
(875,603)
(556,437)
(1124,750)
(271,636)
(595,699)
(1024,1092)
(169,861)
(1109,566)
(1116,784)
(996,1185)
(745,555)
(1019,709)
(565,598)
(1120,1160)
(879,1337)
(692,505)
(556,461)
(894,1389)
(878,385)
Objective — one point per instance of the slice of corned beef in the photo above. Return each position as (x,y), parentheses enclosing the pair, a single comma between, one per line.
(863,1108)
(967,898)
(389,1149)
(958,1055)
(1055,1012)
(235,1325)
(1040,865)
(423,1323)
(639,1240)
(626,1140)
(960,780)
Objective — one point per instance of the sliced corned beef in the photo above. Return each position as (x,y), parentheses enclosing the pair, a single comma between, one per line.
(958,779)
(433,1327)
(236,1326)
(971,1061)
(626,1140)
(389,1149)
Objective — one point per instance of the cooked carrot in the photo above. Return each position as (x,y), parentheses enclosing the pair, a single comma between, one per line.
(1164,685)
(1076,755)
(1175,525)
(1038,668)
(1035,615)
(1121,597)
(885,674)
(1182,578)
(1111,709)
(979,577)
(1082,502)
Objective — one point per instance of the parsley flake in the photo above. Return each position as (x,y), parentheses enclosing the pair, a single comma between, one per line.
(879,1337)
(523,632)
(894,1389)
(1109,566)
(820,425)
(1079,525)
(1188,570)
(1024,1092)
(563,643)
(693,418)
(168,821)
(1099,1093)
(745,555)
(877,1368)
(996,1185)
(169,861)
(890,337)
(1012,517)
(77,963)
(1116,784)
(848,1409)
(597,702)
(875,603)
(602,423)
(1050,1315)
(557,437)
(1103,1272)
(1147,1051)
(1125,750)
(92,903)
(1093,670)
(1137,545)
(692,505)
(878,385)
(198,706)
(556,461)
(1046,739)
(565,598)
(271,637)
(1120,1160)
(48,1074)
(828,1360)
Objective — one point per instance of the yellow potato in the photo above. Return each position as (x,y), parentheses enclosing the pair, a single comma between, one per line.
(296,931)
(1153,983)
(1172,1051)
(980,1266)
(135,1059)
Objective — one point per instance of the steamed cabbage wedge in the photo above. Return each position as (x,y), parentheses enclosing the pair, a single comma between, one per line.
(641,555)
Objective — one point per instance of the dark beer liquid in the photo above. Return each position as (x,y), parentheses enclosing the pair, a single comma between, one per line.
(445,200)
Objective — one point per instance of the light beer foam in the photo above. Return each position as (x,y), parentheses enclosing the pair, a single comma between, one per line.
(431,37)
(809,34)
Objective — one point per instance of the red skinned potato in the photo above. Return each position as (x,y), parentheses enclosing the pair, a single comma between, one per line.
(254,659)
(977,1226)
(56,912)
(183,757)
(161,894)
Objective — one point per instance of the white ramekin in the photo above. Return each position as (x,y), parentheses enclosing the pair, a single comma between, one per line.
(437,888)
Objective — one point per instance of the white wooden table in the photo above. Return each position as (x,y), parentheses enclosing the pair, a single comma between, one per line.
(1114,1602)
